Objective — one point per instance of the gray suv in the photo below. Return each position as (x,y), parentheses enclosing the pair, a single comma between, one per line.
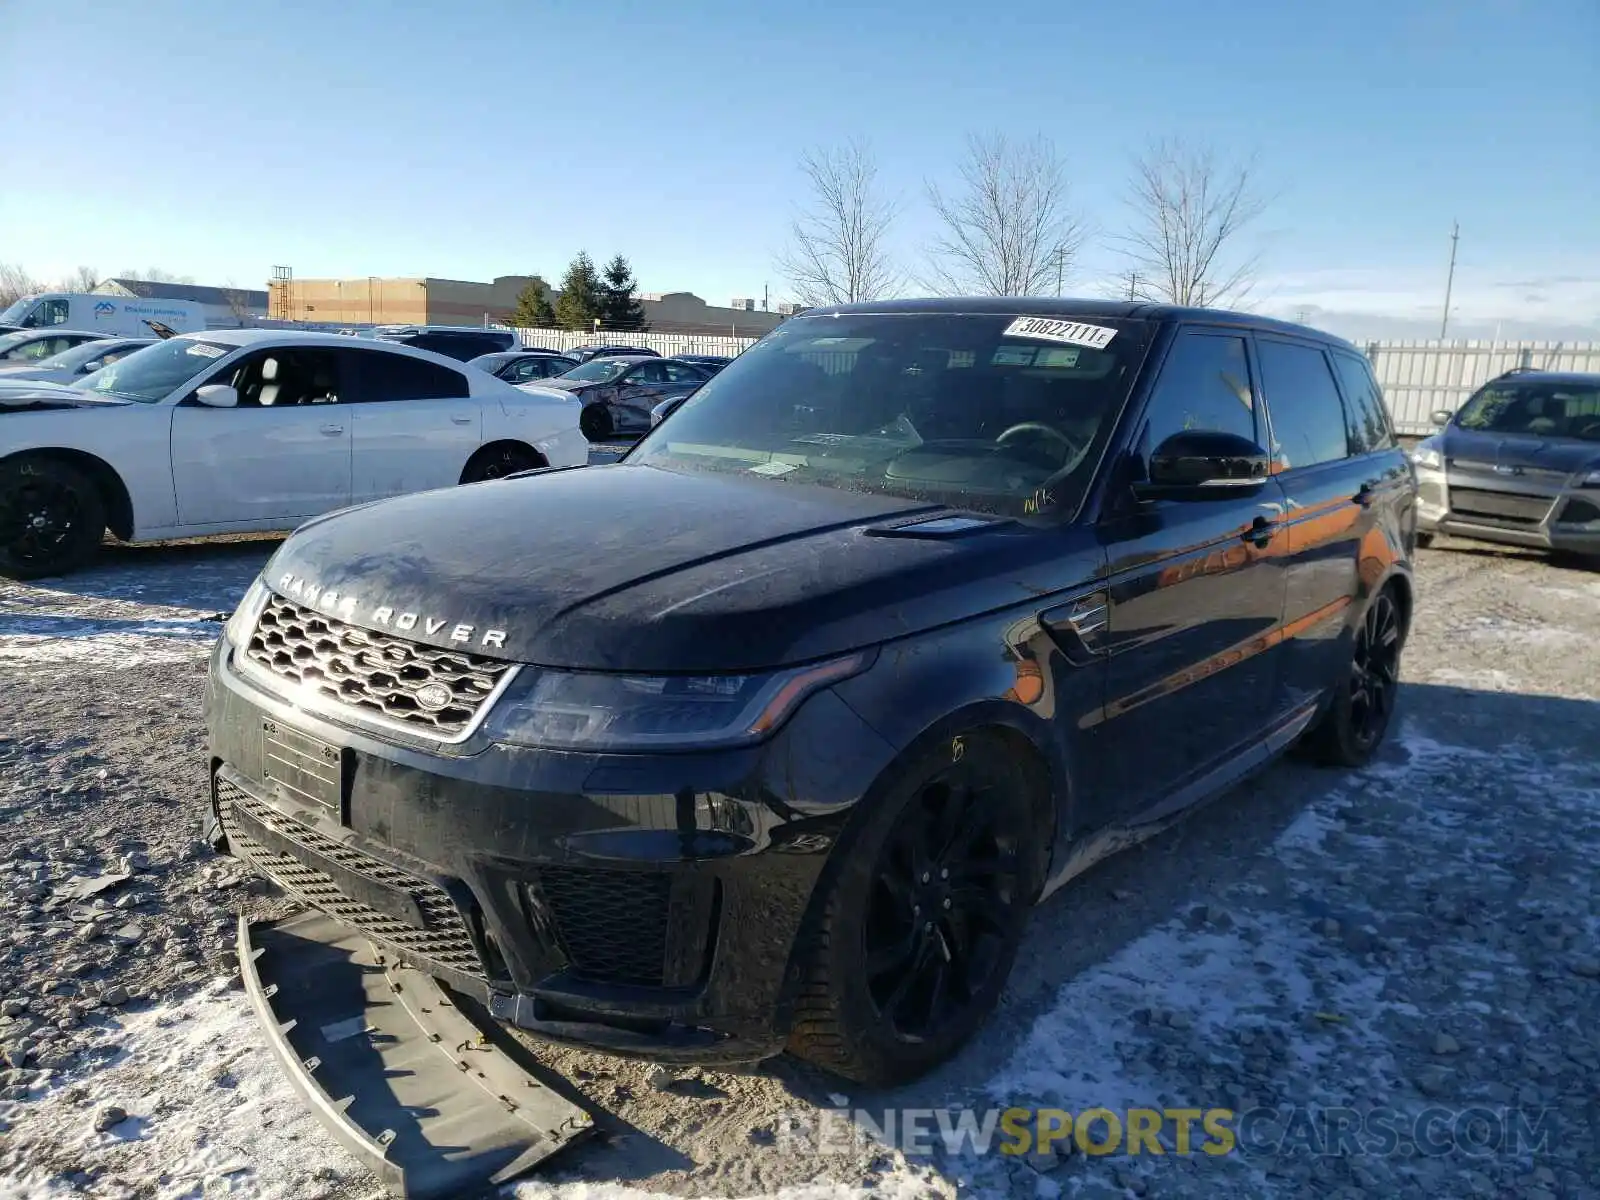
(1518,464)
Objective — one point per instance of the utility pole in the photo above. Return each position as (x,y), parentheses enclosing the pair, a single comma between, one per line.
(1450,279)
(1133,285)
(1061,263)
(766,296)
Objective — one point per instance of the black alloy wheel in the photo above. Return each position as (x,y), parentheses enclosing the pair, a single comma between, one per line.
(1375,671)
(937,918)
(1363,701)
(499,461)
(918,915)
(51,519)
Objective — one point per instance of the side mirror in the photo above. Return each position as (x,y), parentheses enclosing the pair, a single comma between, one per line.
(664,410)
(217,395)
(1441,417)
(1201,464)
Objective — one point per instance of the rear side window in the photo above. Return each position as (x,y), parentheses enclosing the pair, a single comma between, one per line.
(1204,384)
(400,377)
(1368,419)
(1308,421)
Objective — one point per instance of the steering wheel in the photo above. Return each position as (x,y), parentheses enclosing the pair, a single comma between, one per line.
(1589,429)
(1073,450)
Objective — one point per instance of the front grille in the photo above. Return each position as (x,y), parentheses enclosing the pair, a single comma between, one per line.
(611,925)
(445,940)
(1507,507)
(376,674)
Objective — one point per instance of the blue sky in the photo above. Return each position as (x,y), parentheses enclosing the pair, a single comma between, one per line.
(482,138)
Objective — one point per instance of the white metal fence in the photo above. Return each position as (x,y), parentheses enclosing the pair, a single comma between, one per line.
(1418,378)
(662,343)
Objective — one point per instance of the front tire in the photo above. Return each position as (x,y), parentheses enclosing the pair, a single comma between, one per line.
(1353,727)
(920,916)
(595,423)
(52,518)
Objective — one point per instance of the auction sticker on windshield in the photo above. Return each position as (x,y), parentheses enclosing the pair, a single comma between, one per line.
(1074,333)
(205,350)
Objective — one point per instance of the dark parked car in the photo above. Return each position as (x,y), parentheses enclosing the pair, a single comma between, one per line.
(462,343)
(712,363)
(896,624)
(1518,464)
(524,366)
(605,350)
(618,393)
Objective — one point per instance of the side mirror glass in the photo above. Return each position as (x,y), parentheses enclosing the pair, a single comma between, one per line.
(1202,464)
(1441,416)
(217,395)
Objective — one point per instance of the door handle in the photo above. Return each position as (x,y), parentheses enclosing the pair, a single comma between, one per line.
(333,430)
(461,420)
(1260,532)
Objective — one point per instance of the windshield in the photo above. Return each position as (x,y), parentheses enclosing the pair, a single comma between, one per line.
(996,413)
(149,375)
(598,370)
(1539,409)
(13,312)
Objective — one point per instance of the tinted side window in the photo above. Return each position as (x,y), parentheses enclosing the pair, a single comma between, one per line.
(398,377)
(1308,423)
(1368,418)
(651,372)
(1204,384)
(679,373)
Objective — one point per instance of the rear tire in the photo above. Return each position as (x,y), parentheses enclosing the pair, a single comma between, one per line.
(920,916)
(1357,718)
(1424,540)
(496,462)
(52,518)
(595,423)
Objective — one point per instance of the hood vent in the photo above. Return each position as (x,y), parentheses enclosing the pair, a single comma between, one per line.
(947,526)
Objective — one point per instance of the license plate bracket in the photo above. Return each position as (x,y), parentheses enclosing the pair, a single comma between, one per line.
(305,768)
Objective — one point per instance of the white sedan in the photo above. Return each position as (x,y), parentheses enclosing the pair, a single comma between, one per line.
(241,430)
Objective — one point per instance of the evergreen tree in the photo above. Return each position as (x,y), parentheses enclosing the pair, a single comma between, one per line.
(533,310)
(581,294)
(618,308)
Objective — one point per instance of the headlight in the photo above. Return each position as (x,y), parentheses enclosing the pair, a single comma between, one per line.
(565,710)
(1427,456)
(243,622)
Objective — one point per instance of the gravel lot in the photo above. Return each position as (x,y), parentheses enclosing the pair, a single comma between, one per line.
(1423,937)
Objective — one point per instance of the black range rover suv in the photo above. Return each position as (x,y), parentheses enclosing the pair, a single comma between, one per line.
(772,733)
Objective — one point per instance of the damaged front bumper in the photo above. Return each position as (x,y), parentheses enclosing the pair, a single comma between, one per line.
(639,904)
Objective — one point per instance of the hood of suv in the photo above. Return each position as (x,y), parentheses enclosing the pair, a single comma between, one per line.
(641,569)
(1511,452)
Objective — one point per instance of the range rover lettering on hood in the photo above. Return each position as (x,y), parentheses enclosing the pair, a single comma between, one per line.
(348,608)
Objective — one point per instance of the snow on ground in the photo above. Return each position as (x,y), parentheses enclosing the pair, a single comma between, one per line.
(208,1113)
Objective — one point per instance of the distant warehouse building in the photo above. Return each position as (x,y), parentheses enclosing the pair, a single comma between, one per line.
(429,301)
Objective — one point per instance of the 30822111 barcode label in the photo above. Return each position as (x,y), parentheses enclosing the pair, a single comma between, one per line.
(1074,333)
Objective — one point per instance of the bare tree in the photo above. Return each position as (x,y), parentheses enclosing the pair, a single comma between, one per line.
(83,279)
(1009,229)
(156,275)
(238,301)
(837,252)
(16,283)
(1190,208)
